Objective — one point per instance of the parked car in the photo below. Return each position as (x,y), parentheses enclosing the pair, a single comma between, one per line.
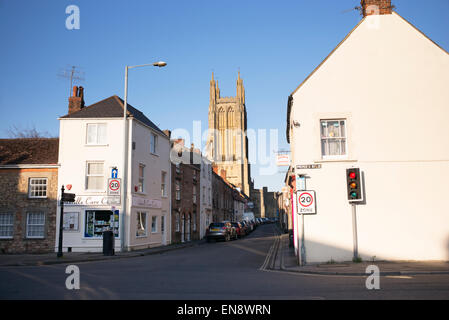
(219,230)
(233,231)
(239,231)
(251,225)
(245,227)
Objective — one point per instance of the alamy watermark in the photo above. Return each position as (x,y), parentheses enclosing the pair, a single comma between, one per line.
(72,22)
(73,280)
(373,280)
(228,146)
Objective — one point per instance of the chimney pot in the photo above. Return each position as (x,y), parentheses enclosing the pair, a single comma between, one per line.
(376,7)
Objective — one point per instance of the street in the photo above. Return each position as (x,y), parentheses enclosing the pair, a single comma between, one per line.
(210,271)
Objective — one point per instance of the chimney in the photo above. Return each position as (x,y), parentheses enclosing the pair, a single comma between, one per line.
(167,133)
(76,101)
(376,7)
(223,174)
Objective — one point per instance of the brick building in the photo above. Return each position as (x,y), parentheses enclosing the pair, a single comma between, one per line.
(222,197)
(28,194)
(186,179)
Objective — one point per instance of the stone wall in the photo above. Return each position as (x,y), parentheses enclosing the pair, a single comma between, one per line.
(14,199)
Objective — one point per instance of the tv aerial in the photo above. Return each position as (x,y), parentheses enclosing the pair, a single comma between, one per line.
(73,74)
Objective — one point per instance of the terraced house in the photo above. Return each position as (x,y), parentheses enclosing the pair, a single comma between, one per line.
(28,193)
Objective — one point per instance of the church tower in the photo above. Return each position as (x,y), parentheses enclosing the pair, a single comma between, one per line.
(227,143)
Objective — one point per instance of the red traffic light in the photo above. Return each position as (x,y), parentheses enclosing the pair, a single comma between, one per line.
(352,175)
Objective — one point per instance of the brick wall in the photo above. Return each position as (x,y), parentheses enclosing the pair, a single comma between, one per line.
(14,199)
(186,207)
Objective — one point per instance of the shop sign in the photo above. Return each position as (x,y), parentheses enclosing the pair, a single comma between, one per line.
(96,200)
(149,203)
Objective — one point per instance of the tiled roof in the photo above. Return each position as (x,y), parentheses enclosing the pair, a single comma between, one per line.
(111,107)
(29,151)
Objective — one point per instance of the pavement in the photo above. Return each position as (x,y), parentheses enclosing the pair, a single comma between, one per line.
(76,257)
(286,260)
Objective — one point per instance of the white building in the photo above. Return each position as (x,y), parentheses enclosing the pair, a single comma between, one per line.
(206,195)
(378,102)
(91,153)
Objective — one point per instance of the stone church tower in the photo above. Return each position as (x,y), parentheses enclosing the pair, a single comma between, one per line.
(227,143)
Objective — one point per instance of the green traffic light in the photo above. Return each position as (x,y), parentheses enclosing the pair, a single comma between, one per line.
(353,195)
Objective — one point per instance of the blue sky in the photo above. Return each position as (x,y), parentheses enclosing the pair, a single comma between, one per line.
(275,44)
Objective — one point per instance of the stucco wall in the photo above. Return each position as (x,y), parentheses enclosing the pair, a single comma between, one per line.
(390,83)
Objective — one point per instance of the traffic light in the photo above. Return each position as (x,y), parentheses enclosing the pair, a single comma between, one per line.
(354,185)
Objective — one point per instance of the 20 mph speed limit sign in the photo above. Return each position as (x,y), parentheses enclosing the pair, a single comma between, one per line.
(114,187)
(306,202)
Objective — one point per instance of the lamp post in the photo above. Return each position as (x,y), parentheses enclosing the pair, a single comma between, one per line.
(125,142)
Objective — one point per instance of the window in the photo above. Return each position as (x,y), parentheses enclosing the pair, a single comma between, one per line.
(163,223)
(204,194)
(95,176)
(153,143)
(153,224)
(178,190)
(101,220)
(194,222)
(96,134)
(37,188)
(6,225)
(141,230)
(178,168)
(194,175)
(177,224)
(194,194)
(140,186)
(333,138)
(163,185)
(35,225)
(70,221)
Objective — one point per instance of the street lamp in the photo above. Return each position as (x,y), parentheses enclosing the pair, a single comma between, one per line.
(159,64)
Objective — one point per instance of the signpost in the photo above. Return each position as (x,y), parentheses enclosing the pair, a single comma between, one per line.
(65,197)
(306,205)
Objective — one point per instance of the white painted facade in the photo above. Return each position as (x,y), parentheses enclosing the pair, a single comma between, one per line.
(74,156)
(206,195)
(389,82)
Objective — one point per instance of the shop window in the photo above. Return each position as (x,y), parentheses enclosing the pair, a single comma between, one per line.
(141,230)
(153,224)
(99,221)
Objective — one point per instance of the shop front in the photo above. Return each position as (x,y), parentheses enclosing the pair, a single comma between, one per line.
(85,220)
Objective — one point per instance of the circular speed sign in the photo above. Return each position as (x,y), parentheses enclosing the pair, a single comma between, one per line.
(114,185)
(305,199)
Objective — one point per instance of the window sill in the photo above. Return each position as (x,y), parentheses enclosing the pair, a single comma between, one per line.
(154,154)
(335,160)
(96,145)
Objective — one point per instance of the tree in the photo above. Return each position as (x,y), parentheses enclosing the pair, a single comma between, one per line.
(16,132)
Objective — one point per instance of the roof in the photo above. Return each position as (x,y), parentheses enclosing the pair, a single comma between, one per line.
(290,99)
(29,151)
(111,107)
